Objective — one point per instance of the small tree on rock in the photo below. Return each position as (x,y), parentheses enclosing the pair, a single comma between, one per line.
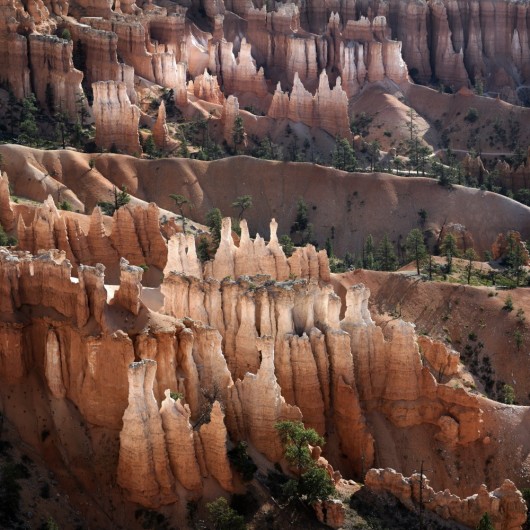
(243,203)
(181,202)
(119,198)
(214,221)
(311,483)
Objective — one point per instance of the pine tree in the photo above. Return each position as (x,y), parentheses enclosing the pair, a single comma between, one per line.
(485,523)
(243,203)
(343,156)
(120,198)
(214,221)
(368,254)
(180,203)
(238,132)
(449,249)
(386,255)
(311,483)
(416,247)
(29,131)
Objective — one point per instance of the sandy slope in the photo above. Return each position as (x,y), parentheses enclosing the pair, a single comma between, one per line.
(354,204)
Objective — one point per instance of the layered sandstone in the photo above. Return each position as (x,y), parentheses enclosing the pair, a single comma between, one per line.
(99,48)
(54,74)
(160,130)
(143,467)
(328,109)
(135,235)
(116,118)
(505,505)
(238,75)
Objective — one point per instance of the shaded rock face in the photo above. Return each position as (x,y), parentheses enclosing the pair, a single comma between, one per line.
(505,505)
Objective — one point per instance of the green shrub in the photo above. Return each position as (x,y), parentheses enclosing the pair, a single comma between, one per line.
(242,461)
(508,304)
(223,517)
(472,115)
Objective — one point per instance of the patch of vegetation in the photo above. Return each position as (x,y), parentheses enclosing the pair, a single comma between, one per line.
(472,115)
(224,517)
(242,462)
(311,483)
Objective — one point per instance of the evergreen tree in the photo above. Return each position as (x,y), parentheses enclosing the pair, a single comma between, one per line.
(243,203)
(329,248)
(214,221)
(150,147)
(29,132)
(470,256)
(238,132)
(120,198)
(485,523)
(223,517)
(374,151)
(416,247)
(311,483)
(61,126)
(203,249)
(369,253)
(12,112)
(181,202)
(386,255)
(287,245)
(449,249)
(301,226)
(343,156)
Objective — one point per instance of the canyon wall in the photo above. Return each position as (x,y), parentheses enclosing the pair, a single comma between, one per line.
(238,345)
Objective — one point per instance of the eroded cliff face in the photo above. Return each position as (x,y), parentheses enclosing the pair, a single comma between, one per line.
(299,61)
(116,118)
(241,351)
(505,504)
(134,235)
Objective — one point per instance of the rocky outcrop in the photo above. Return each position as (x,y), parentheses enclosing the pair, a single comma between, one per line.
(504,505)
(252,257)
(7,215)
(116,118)
(259,398)
(238,75)
(504,244)
(328,109)
(55,80)
(135,235)
(130,289)
(206,87)
(228,118)
(213,438)
(180,443)
(160,130)
(97,50)
(444,362)
(143,466)
(331,513)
